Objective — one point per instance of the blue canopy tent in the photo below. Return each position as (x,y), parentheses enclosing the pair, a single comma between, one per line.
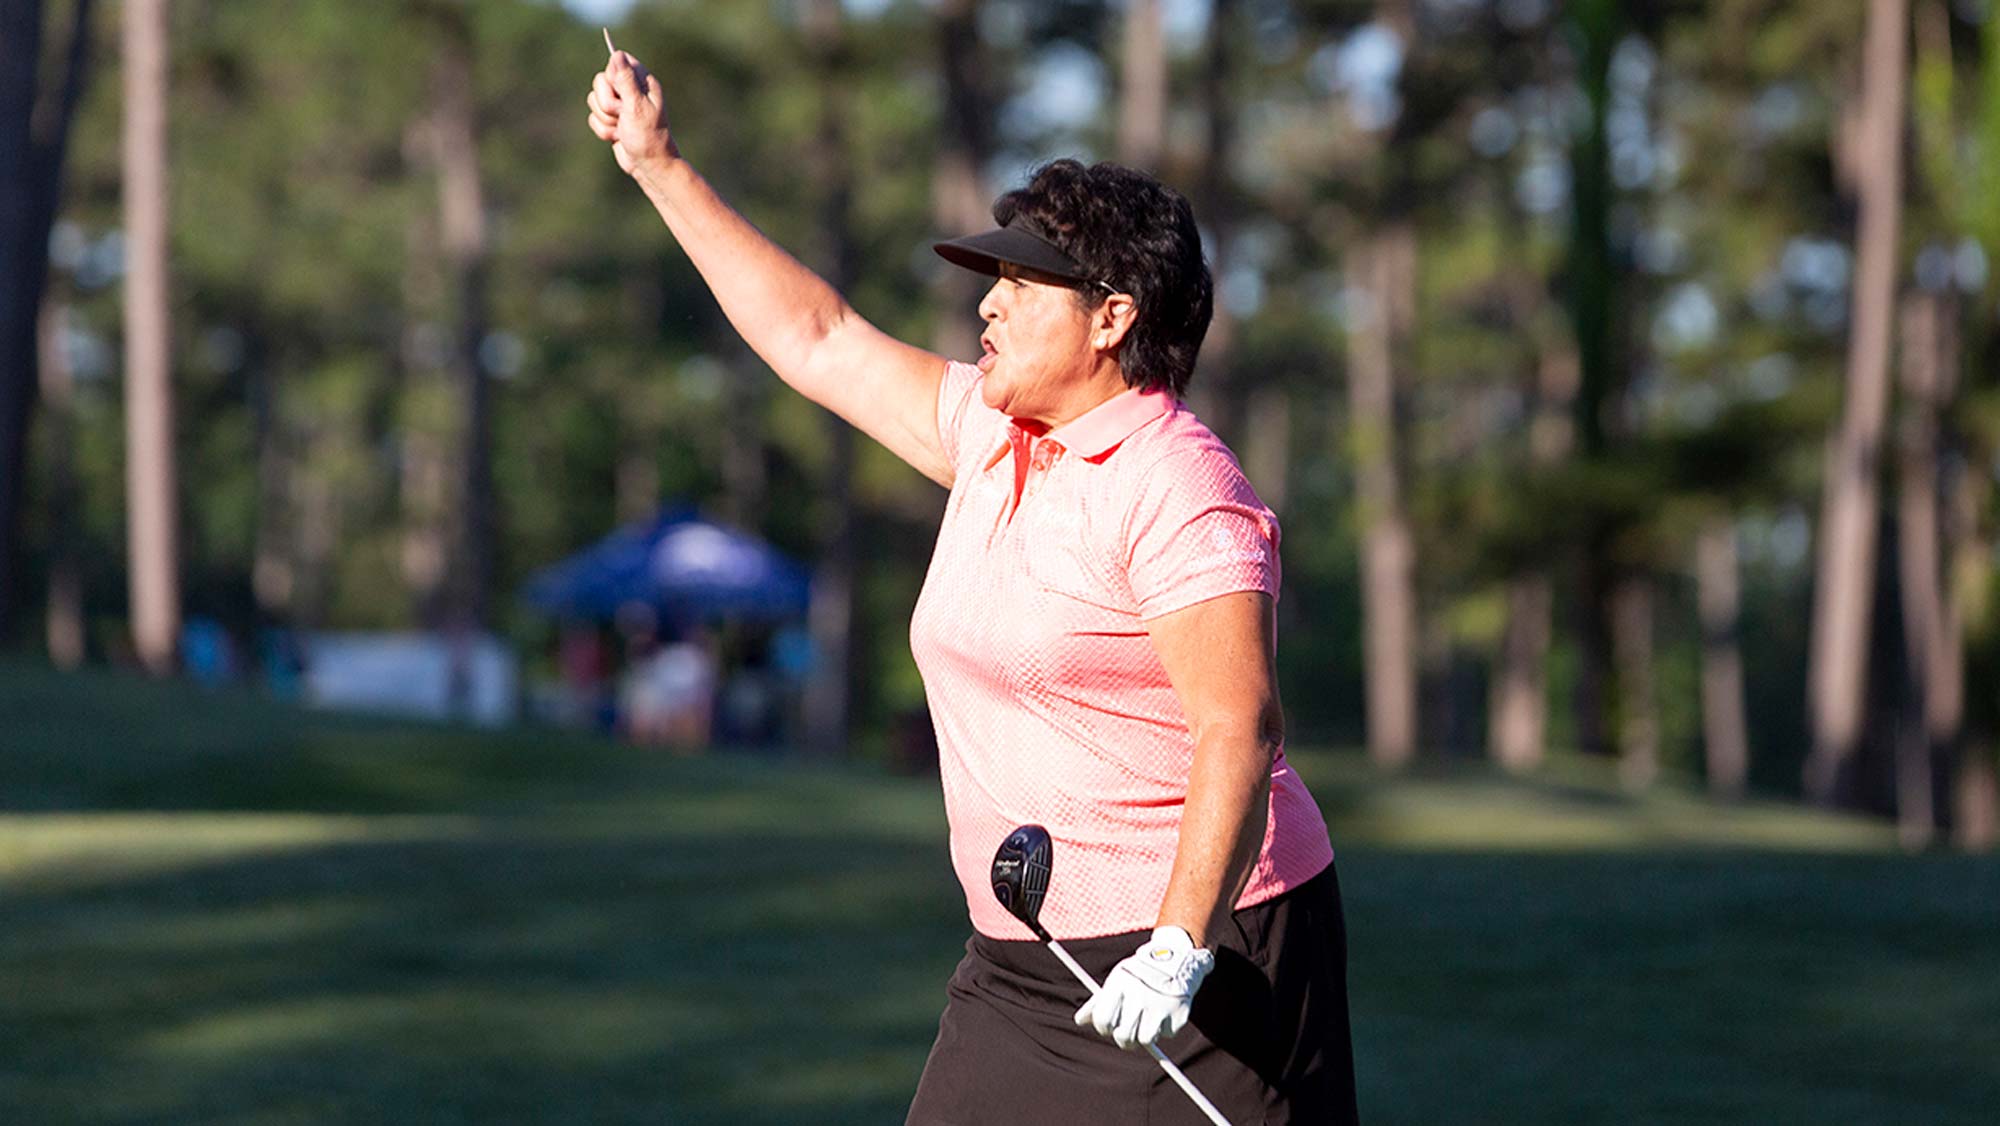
(679,564)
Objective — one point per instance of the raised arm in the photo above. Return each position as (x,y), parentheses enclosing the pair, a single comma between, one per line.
(788,315)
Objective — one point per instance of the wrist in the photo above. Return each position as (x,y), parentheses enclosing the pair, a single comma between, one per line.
(657,171)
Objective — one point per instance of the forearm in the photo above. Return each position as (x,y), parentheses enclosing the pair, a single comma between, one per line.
(1222,830)
(781,309)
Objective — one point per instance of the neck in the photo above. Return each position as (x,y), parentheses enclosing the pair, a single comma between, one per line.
(1104,384)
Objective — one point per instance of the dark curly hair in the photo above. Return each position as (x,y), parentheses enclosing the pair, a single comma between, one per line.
(1138,236)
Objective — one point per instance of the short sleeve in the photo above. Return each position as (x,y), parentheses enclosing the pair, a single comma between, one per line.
(1198,531)
(959,408)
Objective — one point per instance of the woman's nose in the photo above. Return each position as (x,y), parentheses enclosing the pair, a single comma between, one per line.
(989,305)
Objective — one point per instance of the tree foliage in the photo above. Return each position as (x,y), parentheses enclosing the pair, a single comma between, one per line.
(1648,197)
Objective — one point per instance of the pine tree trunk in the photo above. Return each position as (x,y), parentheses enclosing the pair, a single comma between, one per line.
(1638,699)
(66,639)
(636,491)
(424,494)
(642,429)
(1142,96)
(960,202)
(1975,820)
(150,477)
(1933,636)
(272,578)
(745,478)
(317,524)
(449,538)
(462,224)
(1519,727)
(1517,733)
(24,270)
(1849,502)
(1382,265)
(1724,728)
(1221,394)
(830,617)
(1267,446)
(33,142)
(424,416)
(1598,296)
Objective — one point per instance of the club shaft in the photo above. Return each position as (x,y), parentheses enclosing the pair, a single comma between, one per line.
(1082,975)
(1174,1073)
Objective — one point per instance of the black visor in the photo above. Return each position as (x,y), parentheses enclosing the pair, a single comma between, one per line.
(1014,244)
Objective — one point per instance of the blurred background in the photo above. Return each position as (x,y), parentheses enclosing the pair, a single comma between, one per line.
(444,676)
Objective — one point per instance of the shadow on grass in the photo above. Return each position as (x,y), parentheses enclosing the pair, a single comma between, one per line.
(541,974)
(217,910)
(1674,987)
(505,976)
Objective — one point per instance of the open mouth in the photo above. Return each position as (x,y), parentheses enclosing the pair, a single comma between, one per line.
(992,353)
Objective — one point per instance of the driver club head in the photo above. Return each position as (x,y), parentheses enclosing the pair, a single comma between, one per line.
(1021,874)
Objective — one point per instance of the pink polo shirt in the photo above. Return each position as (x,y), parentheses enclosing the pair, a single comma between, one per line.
(1050,704)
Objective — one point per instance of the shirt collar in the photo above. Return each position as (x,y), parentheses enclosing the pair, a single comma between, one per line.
(1098,430)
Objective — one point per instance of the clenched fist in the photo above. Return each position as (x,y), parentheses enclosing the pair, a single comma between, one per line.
(627,110)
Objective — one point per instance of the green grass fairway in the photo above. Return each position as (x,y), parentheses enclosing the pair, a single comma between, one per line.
(217,910)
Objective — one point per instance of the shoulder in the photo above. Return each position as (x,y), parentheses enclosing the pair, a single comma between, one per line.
(1177,457)
(1194,528)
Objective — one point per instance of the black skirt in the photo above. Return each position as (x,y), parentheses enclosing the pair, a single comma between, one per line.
(1268,1042)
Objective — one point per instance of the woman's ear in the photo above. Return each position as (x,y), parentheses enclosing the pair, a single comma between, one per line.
(1112,320)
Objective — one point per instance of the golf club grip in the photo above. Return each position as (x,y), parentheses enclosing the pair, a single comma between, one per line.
(1174,1073)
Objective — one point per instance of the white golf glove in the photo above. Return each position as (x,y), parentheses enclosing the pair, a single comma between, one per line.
(1149,995)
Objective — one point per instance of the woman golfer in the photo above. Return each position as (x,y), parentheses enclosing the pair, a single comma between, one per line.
(1096,640)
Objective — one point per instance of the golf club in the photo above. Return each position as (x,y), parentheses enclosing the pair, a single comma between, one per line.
(1020,881)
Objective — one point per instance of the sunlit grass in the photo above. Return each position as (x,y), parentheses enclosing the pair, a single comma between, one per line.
(1571,804)
(79,848)
(217,910)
